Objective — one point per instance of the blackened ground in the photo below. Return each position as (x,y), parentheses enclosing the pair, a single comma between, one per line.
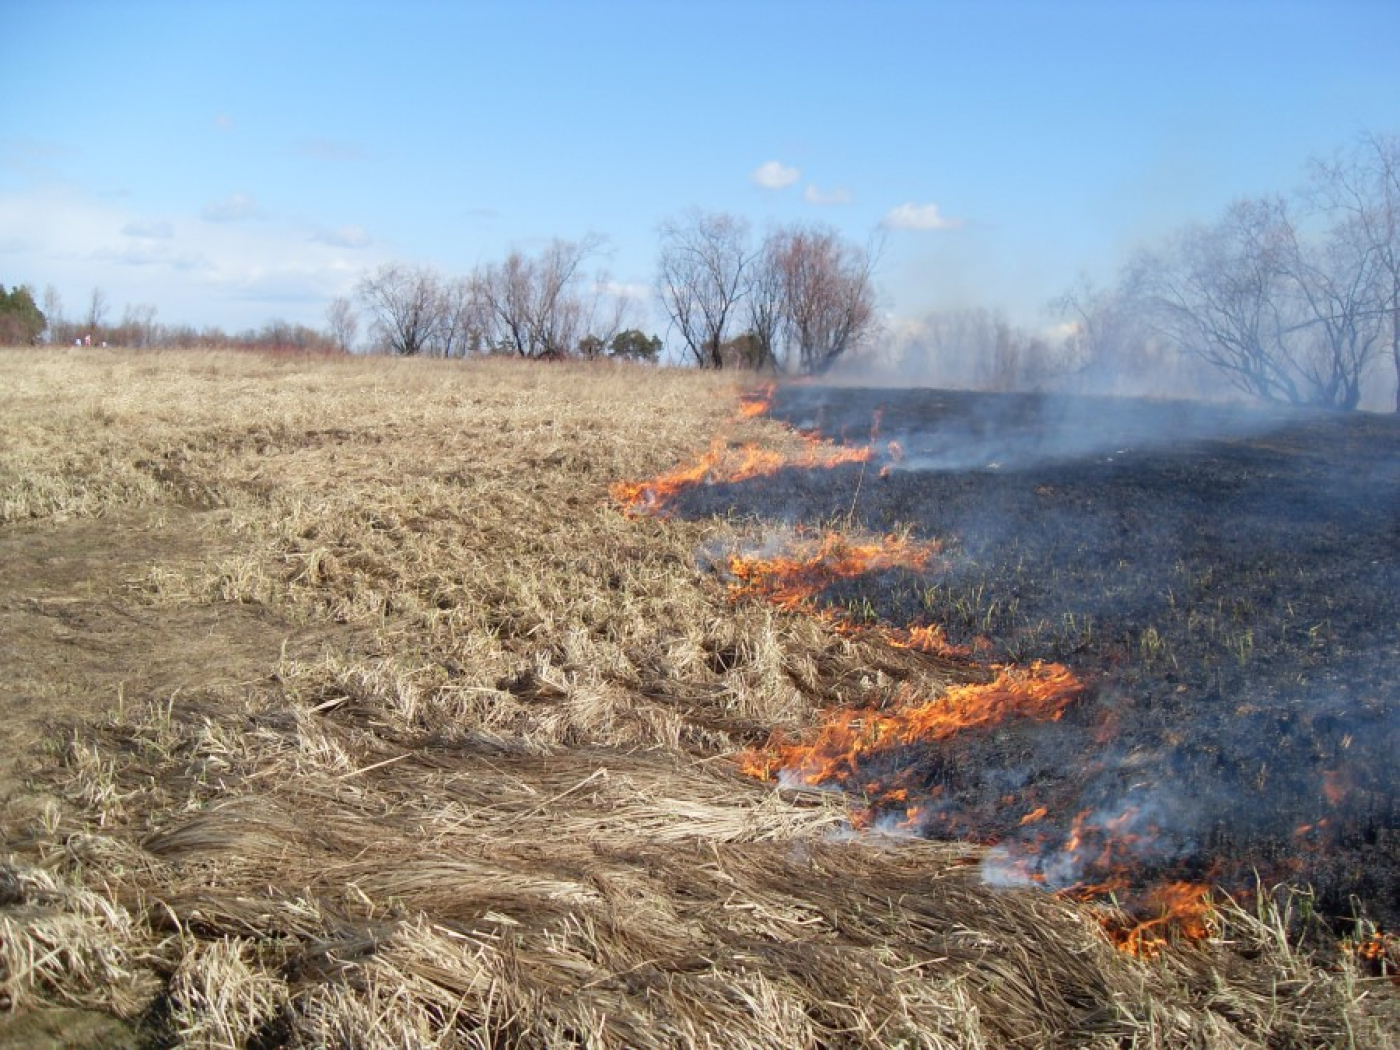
(1228,580)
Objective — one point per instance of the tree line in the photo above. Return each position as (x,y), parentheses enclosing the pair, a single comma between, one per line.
(542,306)
(798,300)
(23,323)
(1289,298)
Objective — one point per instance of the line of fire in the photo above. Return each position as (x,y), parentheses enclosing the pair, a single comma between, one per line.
(1165,645)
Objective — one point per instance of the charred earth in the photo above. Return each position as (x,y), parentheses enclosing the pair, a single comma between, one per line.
(1225,580)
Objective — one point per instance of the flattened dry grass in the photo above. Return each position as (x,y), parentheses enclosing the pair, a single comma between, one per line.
(498,807)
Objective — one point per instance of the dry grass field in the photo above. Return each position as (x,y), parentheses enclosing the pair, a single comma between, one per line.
(343,706)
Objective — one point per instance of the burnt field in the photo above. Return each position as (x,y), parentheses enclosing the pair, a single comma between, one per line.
(329,723)
(1225,583)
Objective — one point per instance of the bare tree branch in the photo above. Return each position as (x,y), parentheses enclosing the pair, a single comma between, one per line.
(702,278)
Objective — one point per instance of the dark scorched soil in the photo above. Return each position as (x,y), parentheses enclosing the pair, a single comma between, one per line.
(1226,579)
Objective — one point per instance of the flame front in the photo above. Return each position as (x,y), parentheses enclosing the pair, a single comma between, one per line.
(850,736)
(793,578)
(721,464)
(757,402)
(1099,853)
(1173,909)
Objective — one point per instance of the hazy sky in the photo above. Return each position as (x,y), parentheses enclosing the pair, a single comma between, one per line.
(232,162)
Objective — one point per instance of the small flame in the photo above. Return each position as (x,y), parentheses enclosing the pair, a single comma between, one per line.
(1175,909)
(1377,953)
(757,402)
(1334,786)
(792,579)
(928,638)
(850,735)
(722,464)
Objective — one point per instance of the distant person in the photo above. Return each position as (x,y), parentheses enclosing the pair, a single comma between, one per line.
(87,339)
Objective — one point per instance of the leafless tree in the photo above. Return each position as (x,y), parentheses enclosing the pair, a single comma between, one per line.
(1215,290)
(96,312)
(975,348)
(1105,346)
(827,295)
(462,331)
(406,306)
(1283,318)
(1360,190)
(342,322)
(138,327)
(1338,286)
(766,296)
(538,306)
(702,278)
(53,313)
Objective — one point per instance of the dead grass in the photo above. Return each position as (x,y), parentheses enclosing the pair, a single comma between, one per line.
(504,813)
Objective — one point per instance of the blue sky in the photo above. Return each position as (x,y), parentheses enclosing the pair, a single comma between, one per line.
(235,162)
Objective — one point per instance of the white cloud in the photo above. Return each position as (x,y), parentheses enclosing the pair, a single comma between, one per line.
(839,195)
(157,255)
(152,229)
(774,175)
(329,150)
(236,207)
(918,217)
(626,290)
(231,274)
(32,158)
(343,237)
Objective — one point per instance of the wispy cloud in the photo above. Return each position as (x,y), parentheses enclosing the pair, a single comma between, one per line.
(331,150)
(343,237)
(223,122)
(33,158)
(774,175)
(231,274)
(150,229)
(826,198)
(626,290)
(153,255)
(918,217)
(236,207)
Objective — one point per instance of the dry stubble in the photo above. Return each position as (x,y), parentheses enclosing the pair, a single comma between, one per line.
(464,777)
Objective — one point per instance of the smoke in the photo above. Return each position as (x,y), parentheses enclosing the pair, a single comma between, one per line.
(975,348)
(951,430)
(1146,833)
(1223,575)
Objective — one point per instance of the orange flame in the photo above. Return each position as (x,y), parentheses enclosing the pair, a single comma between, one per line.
(838,752)
(757,402)
(1176,909)
(723,464)
(1378,954)
(1041,691)
(925,639)
(792,579)
(1334,786)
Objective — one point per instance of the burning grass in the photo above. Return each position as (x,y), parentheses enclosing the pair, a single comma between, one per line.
(368,720)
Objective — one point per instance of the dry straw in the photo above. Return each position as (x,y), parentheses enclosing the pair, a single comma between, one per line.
(486,798)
